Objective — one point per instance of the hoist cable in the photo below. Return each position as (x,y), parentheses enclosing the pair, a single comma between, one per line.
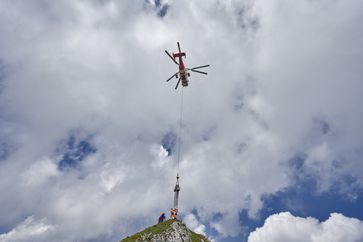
(180,127)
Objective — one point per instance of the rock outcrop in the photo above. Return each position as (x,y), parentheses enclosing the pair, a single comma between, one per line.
(168,231)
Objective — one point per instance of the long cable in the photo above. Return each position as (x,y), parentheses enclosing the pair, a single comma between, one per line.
(180,127)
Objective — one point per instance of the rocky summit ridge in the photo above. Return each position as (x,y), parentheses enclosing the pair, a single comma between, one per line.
(169,231)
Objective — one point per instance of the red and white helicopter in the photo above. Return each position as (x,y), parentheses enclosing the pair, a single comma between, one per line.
(183,72)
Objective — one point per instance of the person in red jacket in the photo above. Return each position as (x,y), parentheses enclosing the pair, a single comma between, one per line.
(173,213)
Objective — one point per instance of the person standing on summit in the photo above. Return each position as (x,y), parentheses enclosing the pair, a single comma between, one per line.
(161,218)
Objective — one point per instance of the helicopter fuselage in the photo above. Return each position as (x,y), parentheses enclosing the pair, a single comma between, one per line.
(182,71)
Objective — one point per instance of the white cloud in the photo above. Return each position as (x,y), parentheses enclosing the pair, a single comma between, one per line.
(100,67)
(228,226)
(286,227)
(28,230)
(112,177)
(39,172)
(192,222)
(160,156)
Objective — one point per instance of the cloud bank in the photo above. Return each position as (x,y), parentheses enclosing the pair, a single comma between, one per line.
(286,227)
(85,111)
(28,230)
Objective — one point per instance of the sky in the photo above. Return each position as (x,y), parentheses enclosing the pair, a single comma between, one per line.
(272,137)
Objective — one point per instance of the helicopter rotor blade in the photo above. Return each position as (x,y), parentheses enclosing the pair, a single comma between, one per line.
(201,72)
(198,67)
(177,84)
(171,57)
(171,77)
(179,47)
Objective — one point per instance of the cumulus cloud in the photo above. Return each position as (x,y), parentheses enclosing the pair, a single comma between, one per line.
(192,222)
(286,227)
(96,71)
(39,172)
(28,230)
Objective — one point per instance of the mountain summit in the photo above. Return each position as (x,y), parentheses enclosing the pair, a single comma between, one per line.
(169,231)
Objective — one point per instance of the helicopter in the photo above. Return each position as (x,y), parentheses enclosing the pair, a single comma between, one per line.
(183,72)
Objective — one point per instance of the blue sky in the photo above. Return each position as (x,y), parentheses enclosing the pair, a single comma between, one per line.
(271,140)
